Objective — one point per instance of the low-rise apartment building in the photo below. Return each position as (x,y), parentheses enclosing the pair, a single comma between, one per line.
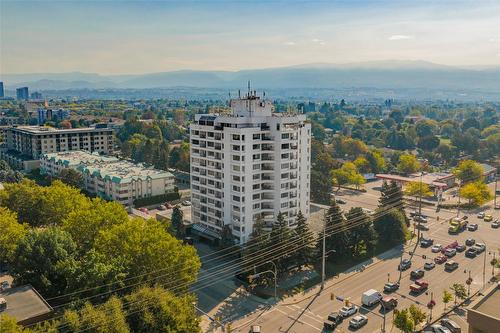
(25,145)
(109,177)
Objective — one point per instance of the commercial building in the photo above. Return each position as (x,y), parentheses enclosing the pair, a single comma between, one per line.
(25,304)
(483,314)
(22,94)
(248,164)
(49,114)
(36,95)
(2,92)
(437,181)
(109,177)
(25,145)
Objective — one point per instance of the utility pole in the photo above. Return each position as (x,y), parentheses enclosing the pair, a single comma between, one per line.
(458,206)
(493,266)
(484,268)
(495,202)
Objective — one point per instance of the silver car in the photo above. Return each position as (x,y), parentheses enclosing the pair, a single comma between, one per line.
(358,321)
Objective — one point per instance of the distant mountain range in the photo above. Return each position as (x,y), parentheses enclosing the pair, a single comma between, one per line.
(380,75)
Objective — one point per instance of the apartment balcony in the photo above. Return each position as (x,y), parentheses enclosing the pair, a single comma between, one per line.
(267,167)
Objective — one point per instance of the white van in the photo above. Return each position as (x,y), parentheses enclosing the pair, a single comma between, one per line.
(371,297)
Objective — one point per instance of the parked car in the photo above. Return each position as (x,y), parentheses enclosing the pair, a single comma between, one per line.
(429,265)
(162,207)
(340,201)
(186,203)
(144,210)
(420,218)
(169,205)
(480,215)
(439,329)
(460,248)
(488,218)
(440,259)
(426,242)
(495,225)
(436,248)
(389,302)
(450,252)
(404,265)
(471,253)
(470,241)
(391,286)
(450,265)
(417,274)
(465,217)
(358,321)
(451,325)
(348,310)
(370,297)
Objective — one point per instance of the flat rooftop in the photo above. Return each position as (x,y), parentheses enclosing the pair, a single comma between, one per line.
(490,304)
(429,179)
(24,302)
(119,171)
(51,130)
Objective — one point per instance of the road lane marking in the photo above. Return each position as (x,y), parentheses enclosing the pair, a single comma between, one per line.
(298,320)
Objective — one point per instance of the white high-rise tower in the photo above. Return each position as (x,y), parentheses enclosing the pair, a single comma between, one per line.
(250,163)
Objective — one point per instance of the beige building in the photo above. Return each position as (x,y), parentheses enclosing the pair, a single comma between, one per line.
(25,145)
(483,315)
(109,177)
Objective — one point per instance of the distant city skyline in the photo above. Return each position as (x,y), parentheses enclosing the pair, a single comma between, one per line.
(135,37)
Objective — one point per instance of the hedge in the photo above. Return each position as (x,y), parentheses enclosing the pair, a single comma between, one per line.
(156,199)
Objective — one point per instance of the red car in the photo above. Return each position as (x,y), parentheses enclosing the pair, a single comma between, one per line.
(449,246)
(440,259)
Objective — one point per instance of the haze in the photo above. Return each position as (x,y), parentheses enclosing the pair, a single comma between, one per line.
(113,37)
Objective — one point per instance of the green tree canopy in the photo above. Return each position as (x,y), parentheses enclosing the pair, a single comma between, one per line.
(11,234)
(477,193)
(469,171)
(408,163)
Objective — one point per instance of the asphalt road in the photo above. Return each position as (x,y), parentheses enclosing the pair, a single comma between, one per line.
(308,312)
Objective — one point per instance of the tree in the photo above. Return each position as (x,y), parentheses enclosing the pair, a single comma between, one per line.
(43,259)
(459,291)
(158,310)
(336,232)
(145,247)
(281,241)
(11,234)
(469,171)
(417,189)
(403,321)
(9,324)
(71,177)
(347,174)
(376,161)
(304,242)
(428,143)
(85,224)
(425,128)
(227,239)
(391,227)
(477,193)
(407,320)
(321,187)
(362,236)
(446,152)
(418,316)
(362,164)
(258,241)
(177,222)
(391,196)
(105,318)
(8,175)
(447,297)
(408,163)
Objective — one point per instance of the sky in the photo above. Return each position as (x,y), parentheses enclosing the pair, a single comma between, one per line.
(133,37)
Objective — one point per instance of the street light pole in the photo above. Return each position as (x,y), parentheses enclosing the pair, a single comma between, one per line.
(323,256)
(458,206)
(218,322)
